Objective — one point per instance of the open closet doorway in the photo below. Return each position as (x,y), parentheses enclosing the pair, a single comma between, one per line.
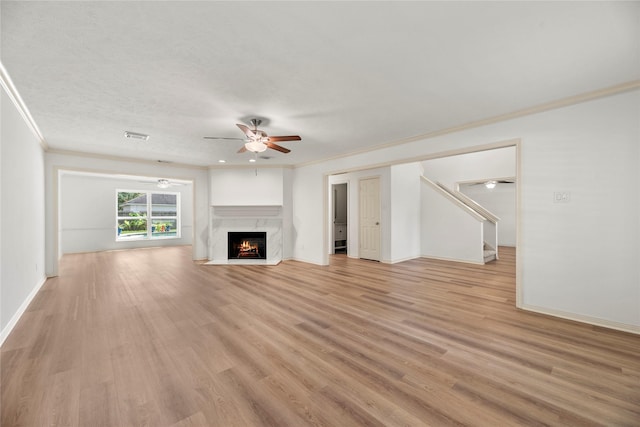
(339,202)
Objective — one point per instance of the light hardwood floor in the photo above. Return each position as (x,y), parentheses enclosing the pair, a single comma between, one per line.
(147,337)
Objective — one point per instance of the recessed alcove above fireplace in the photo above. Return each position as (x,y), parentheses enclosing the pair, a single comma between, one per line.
(226,221)
(247,245)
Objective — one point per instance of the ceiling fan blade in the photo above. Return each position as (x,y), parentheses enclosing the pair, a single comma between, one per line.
(223,137)
(250,133)
(242,149)
(277,147)
(284,138)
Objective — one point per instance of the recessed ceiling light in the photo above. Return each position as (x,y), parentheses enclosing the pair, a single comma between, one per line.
(222,161)
(135,135)
(252,160)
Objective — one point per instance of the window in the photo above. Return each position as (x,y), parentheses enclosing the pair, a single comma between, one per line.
(147,215)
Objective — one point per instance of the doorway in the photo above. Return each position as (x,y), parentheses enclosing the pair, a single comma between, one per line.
(340,218)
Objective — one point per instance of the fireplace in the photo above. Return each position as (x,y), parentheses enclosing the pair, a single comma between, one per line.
(247,245)
(250,219)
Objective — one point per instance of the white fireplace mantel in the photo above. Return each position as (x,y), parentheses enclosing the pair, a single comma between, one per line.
(255,211)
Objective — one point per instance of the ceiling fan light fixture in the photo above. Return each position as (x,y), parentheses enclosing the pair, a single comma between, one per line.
(255,146)
(163,183)
(490,185)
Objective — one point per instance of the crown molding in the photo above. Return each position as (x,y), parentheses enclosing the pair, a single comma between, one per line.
(14,95)
(252,166)
(123,159)
(559,103)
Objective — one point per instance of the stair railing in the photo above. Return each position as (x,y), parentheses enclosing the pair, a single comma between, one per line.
(488,219)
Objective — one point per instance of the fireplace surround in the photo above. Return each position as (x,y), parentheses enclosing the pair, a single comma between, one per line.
(226,219)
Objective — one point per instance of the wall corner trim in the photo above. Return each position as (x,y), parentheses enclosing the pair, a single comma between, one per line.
(23,307)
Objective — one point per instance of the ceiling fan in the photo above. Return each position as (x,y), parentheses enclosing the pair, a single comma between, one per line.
(257,140)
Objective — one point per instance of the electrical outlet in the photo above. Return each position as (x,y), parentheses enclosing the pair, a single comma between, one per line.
(561,197)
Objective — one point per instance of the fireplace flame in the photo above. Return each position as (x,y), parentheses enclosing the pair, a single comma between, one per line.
(246,244)
(248,247)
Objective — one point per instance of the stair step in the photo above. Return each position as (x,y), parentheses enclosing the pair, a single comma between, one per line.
(489,255)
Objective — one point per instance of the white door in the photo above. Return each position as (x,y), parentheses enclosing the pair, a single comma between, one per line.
(370,219)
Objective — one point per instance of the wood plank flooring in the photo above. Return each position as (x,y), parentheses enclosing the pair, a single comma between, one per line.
(149,338)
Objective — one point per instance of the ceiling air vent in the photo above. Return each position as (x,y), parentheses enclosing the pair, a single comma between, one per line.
(135,135)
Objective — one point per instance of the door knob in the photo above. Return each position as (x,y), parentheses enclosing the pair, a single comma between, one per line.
(377,223)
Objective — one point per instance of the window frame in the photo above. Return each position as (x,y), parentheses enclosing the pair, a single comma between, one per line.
(149,217)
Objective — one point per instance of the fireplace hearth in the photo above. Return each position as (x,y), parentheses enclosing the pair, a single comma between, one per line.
(247,245)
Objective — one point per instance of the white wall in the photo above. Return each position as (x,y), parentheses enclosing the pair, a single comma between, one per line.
(577,260)
(87,213)
(22,244)
(500,201)
(246,186)
(582,257)
(287,214)
(308,217)
(55,162)
(405,211)
(482,165)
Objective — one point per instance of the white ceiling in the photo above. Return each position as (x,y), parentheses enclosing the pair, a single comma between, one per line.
(346,76)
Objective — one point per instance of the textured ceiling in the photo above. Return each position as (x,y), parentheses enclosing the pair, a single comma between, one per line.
(344,75)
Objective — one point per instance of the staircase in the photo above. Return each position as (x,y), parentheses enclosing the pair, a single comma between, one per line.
(489,253)
(456,227)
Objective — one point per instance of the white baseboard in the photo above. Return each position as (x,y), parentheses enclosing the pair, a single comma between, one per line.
(396,261)
(18,314)
(451,259)
(306,261)
(596,321)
